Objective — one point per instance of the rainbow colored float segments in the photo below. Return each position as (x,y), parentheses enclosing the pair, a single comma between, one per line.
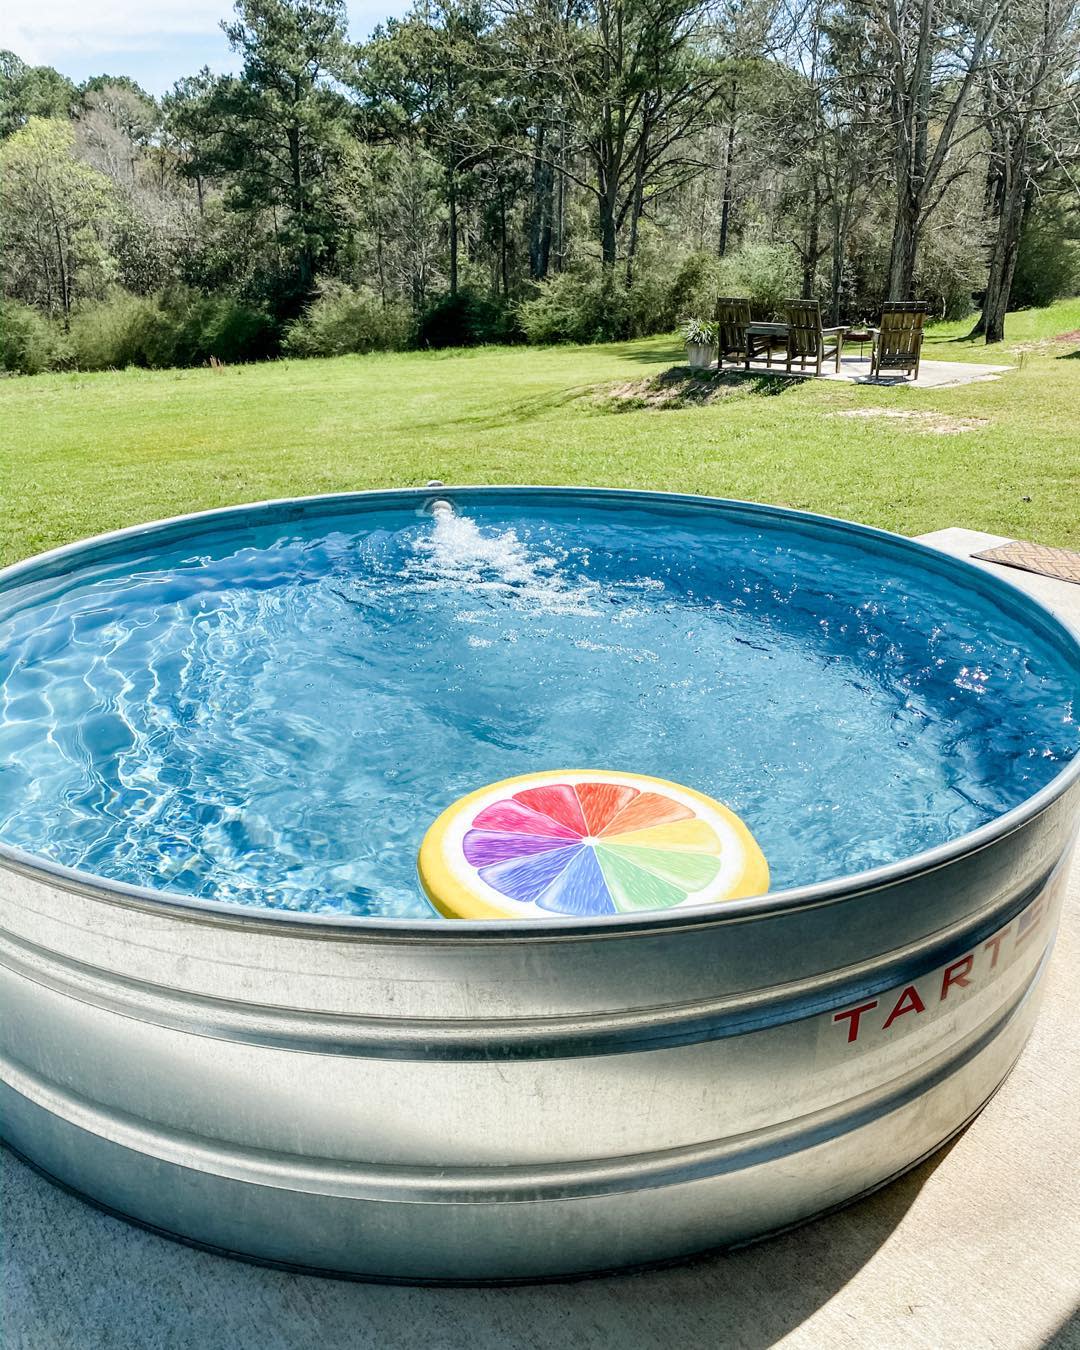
(586,843)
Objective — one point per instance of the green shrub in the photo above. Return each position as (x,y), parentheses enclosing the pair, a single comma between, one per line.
(116,332)
(948,273)
(29,342)
(1048,261)
(177,328)
(467,319)
(341,320)
(695,286)
(591,305)
(647,303)
(204,326)
(766,274)
(579,306)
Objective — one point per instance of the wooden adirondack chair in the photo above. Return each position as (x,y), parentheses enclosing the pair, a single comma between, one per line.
(732,316)
(807,340)
(898,342)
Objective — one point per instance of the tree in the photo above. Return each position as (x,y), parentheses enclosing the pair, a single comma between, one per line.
(54,209)
(933,52)
(282,124)
(31,91)
(1030,104)
(421,78)
(393,196)
(117,123)
(637,78)
(191,127)
(851,165)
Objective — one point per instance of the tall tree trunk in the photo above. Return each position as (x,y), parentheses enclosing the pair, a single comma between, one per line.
(1011,132)
(306,257)
(904,249)
(540,216)
(380,263)
(729,161)
(62,275)
(836,278)
(841,223)
(307,267)
(609,230)
(916,167)
(609,250)
(503,266)
(560,204)
(910,101)
(813,250)
(637,206)
(62,272)
(1006,243)
(452,202)
(607,181)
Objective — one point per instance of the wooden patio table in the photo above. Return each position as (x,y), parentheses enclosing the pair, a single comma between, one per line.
(764,337)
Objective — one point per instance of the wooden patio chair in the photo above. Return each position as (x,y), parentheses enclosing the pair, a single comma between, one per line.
(898,342)
(732,316)
(807,340)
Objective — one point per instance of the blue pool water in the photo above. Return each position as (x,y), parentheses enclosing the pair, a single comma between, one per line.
(273,710)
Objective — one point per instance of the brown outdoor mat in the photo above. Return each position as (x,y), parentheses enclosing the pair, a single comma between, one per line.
(1061,563)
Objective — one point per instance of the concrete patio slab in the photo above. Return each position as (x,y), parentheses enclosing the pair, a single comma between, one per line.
(856,370)
(978,1247)
(1060,597)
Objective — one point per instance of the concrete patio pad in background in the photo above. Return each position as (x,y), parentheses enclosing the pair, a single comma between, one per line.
(856,370)
(977,1248)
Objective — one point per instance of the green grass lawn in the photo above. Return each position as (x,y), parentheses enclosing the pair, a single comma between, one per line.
(84,453)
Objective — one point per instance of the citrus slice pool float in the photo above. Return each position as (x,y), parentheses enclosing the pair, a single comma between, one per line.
(586,843)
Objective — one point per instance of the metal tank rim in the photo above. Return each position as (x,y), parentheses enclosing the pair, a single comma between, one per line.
(835,890)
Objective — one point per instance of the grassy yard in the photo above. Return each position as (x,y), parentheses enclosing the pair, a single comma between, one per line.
(85,453)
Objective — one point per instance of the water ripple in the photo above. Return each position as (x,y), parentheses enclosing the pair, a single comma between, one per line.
(276,718)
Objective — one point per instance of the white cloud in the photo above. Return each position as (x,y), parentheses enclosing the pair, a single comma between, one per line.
(63,32)
(51,32)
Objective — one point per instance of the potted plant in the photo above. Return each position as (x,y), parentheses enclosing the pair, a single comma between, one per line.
(700,338)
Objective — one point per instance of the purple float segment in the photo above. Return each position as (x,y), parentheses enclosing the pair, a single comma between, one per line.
(483,848)
(579,889)
(512,817)
(524,881)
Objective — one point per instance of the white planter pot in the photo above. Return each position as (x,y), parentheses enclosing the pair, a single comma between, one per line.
(700,358)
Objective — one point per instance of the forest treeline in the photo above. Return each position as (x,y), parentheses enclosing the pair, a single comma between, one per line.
(540,170)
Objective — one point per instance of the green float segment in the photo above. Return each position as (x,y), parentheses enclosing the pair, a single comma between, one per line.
(690,871)
(630,888)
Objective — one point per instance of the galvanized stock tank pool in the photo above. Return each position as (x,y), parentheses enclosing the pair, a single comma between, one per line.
(231,1014)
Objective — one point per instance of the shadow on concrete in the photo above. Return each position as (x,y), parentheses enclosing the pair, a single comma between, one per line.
(74,1276)
(1067,1335)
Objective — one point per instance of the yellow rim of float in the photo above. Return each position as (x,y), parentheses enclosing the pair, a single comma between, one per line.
(454,899)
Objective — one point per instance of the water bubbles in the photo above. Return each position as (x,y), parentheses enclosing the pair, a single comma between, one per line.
(459,555)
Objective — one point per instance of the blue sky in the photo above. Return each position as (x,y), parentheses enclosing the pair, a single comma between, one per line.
(153,41)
